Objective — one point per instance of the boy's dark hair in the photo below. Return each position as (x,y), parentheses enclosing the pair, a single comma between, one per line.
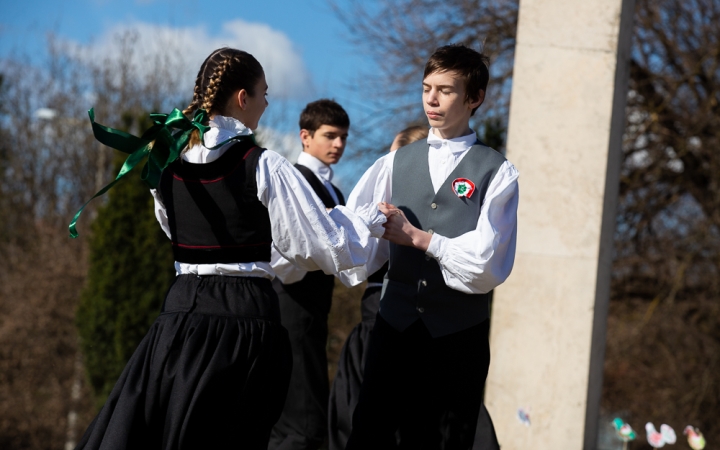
(472,66)
(323,112)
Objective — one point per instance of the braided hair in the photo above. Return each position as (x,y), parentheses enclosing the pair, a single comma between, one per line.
(223,73)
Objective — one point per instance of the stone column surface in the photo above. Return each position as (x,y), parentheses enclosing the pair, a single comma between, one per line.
(549,318)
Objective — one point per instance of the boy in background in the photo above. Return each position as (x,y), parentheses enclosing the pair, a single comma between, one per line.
(306,297)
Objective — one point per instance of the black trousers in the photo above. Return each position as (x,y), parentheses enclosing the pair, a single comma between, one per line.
(345,389)
(428,390)
(304,309)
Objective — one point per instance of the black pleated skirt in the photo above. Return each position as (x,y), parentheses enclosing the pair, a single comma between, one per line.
(212,372)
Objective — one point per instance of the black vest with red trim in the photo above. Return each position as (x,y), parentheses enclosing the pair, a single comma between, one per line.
(213,210)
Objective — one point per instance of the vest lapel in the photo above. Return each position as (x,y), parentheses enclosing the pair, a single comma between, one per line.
(339,194)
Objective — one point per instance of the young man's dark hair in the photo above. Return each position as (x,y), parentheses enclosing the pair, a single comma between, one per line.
(471,65)
(323,112)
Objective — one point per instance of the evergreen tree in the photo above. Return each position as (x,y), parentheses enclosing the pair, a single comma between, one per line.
(131,268)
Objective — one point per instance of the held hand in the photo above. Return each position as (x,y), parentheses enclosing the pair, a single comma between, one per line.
(385,209)
(399,230)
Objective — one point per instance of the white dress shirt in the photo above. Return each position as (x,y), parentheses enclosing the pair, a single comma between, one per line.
(302,231)
(285,270)
(474,262)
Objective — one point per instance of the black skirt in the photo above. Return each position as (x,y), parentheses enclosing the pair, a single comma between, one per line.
(212,372)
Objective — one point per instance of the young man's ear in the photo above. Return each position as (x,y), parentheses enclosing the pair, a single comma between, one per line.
(305,137)
(480,99)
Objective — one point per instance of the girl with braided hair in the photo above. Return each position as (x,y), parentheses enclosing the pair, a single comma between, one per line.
(213,370)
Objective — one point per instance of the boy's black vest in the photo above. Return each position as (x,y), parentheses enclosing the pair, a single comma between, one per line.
(213,210)
(315,290)
(414,287)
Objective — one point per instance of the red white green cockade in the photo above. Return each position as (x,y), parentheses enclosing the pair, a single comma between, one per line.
(462,187)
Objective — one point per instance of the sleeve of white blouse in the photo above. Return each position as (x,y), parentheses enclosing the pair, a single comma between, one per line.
(302,231)
(480,260)
(161,212)
(286,271)
(374,186)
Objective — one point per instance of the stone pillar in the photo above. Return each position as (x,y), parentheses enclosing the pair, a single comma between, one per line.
(567,115)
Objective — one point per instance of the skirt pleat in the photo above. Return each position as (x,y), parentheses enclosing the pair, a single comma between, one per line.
(212,372)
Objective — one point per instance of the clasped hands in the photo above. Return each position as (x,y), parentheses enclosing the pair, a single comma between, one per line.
(399,230)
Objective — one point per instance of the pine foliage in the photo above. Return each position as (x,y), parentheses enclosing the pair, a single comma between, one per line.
(131,268)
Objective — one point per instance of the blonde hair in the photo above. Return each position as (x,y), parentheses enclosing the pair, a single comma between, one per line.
(411,134)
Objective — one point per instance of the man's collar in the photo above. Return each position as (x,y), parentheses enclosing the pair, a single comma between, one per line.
(456,145)
(320,169)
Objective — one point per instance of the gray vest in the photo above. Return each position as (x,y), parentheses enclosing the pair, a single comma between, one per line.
(414,287)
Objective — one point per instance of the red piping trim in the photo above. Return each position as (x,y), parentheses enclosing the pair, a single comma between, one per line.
(248,152)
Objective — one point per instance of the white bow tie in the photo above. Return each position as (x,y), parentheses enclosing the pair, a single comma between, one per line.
(434,141)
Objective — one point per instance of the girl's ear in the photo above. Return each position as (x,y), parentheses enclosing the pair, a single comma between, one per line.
(242,98)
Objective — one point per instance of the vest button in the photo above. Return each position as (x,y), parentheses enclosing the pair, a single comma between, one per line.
(420,309)
(430,231)
(433,205)
(423,283)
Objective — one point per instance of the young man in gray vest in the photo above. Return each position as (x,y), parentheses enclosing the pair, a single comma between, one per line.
(450,241)
(305,297)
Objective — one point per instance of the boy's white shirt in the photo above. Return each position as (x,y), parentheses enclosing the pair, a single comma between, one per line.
(302,230)
(475,262)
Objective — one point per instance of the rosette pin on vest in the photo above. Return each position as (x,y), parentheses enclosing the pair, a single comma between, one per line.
(658,440)
(462,187)
(624,431)
(696,440)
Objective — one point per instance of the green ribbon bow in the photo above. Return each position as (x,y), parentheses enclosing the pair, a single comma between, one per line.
(162,144)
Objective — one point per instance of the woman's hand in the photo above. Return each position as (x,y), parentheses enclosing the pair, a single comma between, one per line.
(399,230)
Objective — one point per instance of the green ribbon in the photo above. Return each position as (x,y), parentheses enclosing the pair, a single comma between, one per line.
(161,144)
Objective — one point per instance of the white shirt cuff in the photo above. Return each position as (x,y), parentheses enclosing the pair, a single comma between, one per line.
(372,217)
(437,247)
(353,277)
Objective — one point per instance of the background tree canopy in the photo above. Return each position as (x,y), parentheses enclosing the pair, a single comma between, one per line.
(50,164)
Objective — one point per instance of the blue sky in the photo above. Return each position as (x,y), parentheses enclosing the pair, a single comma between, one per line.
(310,25)
(301,43)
